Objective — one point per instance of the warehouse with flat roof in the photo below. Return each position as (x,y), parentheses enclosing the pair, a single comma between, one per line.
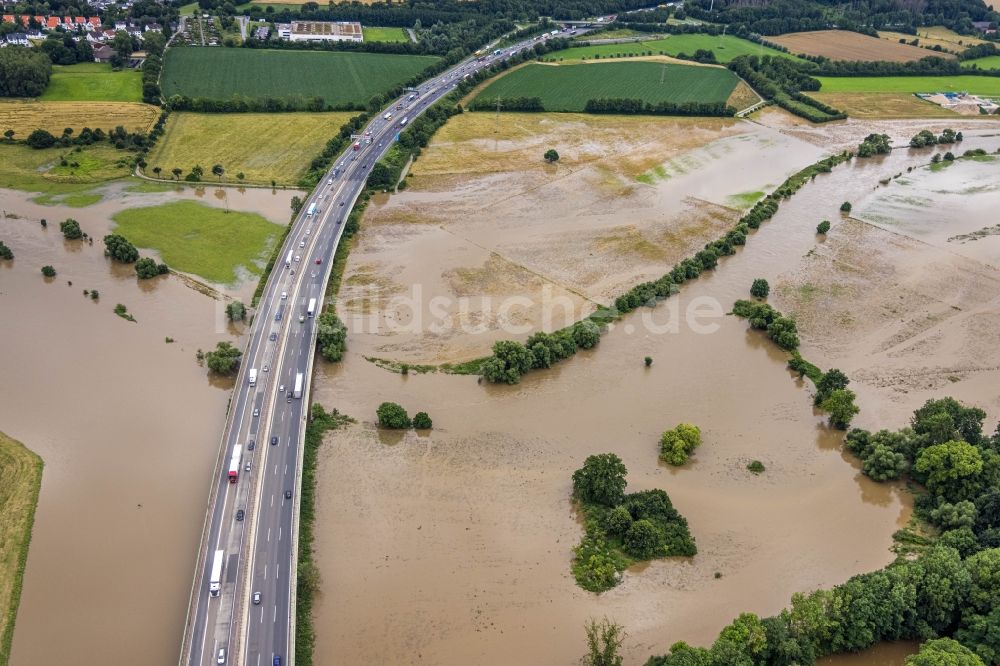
(306,31)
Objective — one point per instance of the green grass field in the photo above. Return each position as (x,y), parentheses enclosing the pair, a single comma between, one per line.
(20,480)
(376,34)
(977,85)
(989,62)
(339,78)
(195,238)
(280,150)
(725,48)
(92,82)
(568,87)
(24,168)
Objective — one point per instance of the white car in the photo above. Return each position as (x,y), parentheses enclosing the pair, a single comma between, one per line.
(284,295)
(281,388)
(308,231)
(302,244)
(256,412)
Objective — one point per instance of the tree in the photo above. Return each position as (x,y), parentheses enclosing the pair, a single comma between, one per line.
(760,288)
(331,336)
(48,271)
(648,361)
(24,72)
(840,404)
(944,652)
(119,249)
(391,415)
(5,252)
(157,170)
(949,157)
(951,470)
(421,421)
(945,419)
(831,381)
(551,156)
(240,176)
(586,334)
(9,135)
(510,360)
(224,359)
(71,229)
(604,639)
(619,520)
(601,480)
(218,171)
(147,268)
(743,642)
(884,464)
(122,43)
(677,444)
(40,139)
(641,540)
(296,204)
(845,207)
(823,227)
(177,172)
(236,311)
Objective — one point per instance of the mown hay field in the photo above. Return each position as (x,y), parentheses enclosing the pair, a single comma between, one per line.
(93,82)
(725,47)
(338,77)
(846,45)
(882,105)
(26,116)
(263,146)
(569,87)
(938,35)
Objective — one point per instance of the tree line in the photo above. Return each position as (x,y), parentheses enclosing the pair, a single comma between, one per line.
(638,106)
(782,80)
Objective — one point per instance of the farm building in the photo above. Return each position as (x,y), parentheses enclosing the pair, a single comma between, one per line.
(963,103)
(304,31)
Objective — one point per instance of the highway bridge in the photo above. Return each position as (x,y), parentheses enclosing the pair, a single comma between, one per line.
(253,520)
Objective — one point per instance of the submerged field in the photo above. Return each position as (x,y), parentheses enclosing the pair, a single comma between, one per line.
(725,47)
(338,78)
(93,82)
(221,246)
(846,45)
(281,148)
(569,87)
(24,168)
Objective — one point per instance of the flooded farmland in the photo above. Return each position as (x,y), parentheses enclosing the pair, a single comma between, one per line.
(455,547)
(128,427)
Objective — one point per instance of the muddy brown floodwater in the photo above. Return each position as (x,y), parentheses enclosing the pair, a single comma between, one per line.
(128,427)
(455,546)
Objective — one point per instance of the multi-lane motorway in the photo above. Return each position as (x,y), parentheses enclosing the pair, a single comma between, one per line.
(253,520)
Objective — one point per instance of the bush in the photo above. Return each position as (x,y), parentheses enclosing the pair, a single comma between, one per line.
(421,421)
(40,139)
(551,156)
(845,207)
(840,404)
(619,520)
(331,337)
(677,444)
(601,480)
(760,288)
(391,415)
(823,227)
(235,311)
(641,540)
(224,359)
(5,252)
(48,271)
(71,229)
(756,466)
(649,361)
(119,249)
(147,268)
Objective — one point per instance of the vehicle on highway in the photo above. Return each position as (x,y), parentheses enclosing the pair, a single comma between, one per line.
(308,231)
(311,308)
(266,367)
(288,494)
(311,210)
(240,514)
(277,316)
(221,659)
(357,145)
(341,203)
(234,462)
(330,181)
(403,121)
(251,445)
(252,378)
(256,598)
(215,579)
(302,243)
(281,388)
(246,468)
(284,295)
(272,337)
(277,661)
(299,379)
(302,319)
(297,258)
(274,441)
(318,260)
(288,260)
(256,411)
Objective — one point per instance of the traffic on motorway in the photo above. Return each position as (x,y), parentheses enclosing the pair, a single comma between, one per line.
(242,602)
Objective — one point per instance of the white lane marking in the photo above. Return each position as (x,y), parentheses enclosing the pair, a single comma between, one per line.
(277,567)
(275,618)
(272,499)
(286,469)
(262,622)
(279,533)
(268,534)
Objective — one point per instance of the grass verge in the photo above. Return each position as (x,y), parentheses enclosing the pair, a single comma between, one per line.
(210,242)
(20,482)
(307,583)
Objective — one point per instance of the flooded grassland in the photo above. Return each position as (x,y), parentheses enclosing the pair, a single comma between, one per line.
(455,546)
(127,424)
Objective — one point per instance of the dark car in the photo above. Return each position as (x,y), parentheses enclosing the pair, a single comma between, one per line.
(288,494)
(277,661)
(250,445)
(318,260)
(272,337)
(274,441)
(240,514)
(277,316)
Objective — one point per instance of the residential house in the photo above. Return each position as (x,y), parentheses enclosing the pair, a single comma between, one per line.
(94,23)
(103,53)
(154,27)
(17,39)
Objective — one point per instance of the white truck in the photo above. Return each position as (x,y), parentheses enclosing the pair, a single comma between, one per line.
(311,310)
(297,393)
(288,260)
(216,579)
(253,377)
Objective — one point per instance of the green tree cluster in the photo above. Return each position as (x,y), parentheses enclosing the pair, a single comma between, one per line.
(236,311)
(875,144)
(760,288)
(780,329)
(119,249)
(24,72)
(551,156)
(331,336)
(678,443)
(823,227)
(71,229)
(5,251)
(48,271)
(393,416)
(224,359)
(147,268)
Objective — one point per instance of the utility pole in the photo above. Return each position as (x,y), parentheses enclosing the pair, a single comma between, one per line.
(496,130)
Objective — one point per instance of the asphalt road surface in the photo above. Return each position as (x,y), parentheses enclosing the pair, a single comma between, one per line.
(260,548)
